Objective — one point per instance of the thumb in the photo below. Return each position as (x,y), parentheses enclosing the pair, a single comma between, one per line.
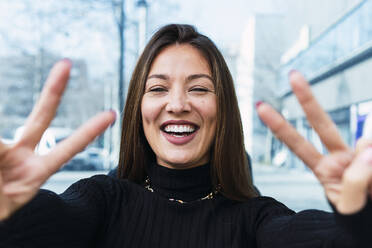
(3,148)
(4,213)
(356,182)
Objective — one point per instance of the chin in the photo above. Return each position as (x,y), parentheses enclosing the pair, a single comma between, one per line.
(180,162)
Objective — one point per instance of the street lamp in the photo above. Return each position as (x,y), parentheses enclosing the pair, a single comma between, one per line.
(119,13)
(142,23)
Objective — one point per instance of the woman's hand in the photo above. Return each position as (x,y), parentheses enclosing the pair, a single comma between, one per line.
(345,174)
(22,172)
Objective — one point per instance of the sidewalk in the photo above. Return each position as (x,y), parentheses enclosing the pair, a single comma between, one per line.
(60,181)
(298,189)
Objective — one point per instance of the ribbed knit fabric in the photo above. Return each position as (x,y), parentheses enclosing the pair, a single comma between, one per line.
(105,212)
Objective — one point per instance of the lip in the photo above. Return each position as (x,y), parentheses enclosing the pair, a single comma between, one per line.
(178,122)
(179,140)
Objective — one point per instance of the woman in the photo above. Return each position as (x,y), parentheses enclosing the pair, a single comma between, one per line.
(182,175)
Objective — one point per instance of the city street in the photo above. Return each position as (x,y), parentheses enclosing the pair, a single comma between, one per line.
(298,189)
(330,46)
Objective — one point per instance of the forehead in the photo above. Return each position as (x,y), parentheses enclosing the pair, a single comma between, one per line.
(180,59)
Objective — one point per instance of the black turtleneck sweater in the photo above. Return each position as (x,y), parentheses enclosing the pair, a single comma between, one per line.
(106,212)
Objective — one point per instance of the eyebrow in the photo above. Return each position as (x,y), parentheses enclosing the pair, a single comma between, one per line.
(196,76)
(188,79)
(160,76)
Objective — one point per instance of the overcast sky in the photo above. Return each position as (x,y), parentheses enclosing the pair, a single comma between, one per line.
(221,20)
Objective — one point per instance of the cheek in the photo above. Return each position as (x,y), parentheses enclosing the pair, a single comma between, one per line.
(209,108)
(150,111)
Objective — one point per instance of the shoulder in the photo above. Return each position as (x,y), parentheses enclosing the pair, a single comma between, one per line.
(267,208)
(264,204)
(98,187)
(256,209)
(96,182)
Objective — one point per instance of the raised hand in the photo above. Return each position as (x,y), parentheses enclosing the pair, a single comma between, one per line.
(22,172)
(345,175)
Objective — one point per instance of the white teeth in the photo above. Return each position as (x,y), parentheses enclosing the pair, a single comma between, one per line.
(179,128)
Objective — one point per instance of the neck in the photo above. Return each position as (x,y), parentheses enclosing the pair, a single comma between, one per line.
(182,166)
(186,184)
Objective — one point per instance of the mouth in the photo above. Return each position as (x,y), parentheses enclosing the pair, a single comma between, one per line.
(179,132)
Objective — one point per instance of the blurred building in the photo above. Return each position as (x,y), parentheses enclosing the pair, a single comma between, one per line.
(16,92)
(23,77)
(269,47)
(259,56)
(337,64)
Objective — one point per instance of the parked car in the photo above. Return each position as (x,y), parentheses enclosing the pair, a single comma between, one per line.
(7,141)
(91,159)
(77,163)
(96,157)
(50,138)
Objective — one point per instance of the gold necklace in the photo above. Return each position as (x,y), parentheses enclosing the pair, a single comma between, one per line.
(210,196)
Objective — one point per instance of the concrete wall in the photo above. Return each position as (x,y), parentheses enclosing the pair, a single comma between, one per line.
(350,86)
(317,14)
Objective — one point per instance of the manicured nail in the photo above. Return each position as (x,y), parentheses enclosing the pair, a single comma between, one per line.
(291,72)
(113,112)
(67,60)
(258,103)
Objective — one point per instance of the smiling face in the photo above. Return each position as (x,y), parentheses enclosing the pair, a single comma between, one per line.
(179,108)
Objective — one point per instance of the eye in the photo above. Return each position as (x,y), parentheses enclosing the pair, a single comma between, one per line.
(200,89)
(157,89)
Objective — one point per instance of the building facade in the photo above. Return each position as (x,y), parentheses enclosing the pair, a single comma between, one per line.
(274,45)
(22,80)
(337,64)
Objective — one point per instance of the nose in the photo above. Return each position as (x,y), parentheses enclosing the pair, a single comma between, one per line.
(178,102)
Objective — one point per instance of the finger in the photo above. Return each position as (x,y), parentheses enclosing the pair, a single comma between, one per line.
(317,117)
(46,107)
(333,166)
(4,201)
(362,144)
(356,182)
(3,211)
(288,135)
(2,148)
(74,144)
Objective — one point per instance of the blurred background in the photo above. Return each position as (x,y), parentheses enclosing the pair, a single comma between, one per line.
(329,41)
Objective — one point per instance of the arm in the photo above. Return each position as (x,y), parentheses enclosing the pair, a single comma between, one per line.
(278,226)
(22,172)
(72,219)
(39,218)
(358,224)
(345,174)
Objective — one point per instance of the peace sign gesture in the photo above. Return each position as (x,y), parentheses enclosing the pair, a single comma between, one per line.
(22,172)
(345,174)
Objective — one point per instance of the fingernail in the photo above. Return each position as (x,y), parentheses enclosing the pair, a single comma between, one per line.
(113,112)
(291,72)
(258,103)
(67,60)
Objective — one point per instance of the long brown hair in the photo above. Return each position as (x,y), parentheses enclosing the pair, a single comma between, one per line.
(229,170)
